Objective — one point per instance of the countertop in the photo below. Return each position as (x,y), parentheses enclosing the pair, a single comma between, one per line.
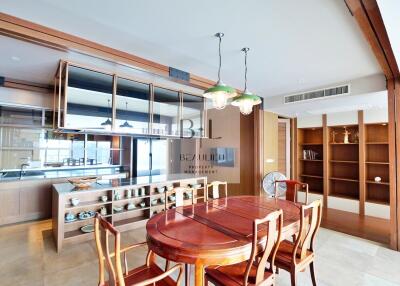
(64,173)
(66,188)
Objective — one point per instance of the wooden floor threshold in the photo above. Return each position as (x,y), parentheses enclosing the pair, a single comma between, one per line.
(367,227)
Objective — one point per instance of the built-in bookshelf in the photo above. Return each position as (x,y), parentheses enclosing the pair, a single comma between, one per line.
(357,167)
(343,161)
(377,163)
(310,152)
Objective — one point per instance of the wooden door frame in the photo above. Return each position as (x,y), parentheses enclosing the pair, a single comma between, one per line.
(288,145)
(369,19)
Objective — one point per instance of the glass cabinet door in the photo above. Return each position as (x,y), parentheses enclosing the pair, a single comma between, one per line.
(166,112)
(17,116)
(132,104)
(89,99)
(192,116)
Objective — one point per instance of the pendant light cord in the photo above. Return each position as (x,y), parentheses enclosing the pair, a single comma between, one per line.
(245,69)
(245,50)
(220,57)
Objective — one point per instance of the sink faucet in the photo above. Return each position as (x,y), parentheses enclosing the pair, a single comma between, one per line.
(22,172)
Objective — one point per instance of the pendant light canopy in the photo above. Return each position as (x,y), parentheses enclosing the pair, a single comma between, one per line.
(220,93)
(246,100)
(126,123)
(108,122)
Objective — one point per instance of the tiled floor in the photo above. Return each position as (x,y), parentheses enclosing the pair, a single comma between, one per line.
(28,257)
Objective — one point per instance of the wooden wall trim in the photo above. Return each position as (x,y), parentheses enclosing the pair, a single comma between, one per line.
(295,151)
(325,157)
(293,148)
(392,165)
(369,19)
(258,149)
(361,161)
(28,31)
(24,85)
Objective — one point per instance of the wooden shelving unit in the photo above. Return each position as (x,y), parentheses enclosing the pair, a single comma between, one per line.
(351,168)
(343,162)
(377,163)
(310,167)
(345,175)
(70,232)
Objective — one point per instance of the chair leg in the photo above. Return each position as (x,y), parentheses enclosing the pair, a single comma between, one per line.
(314,282)
(187,275)
(293,278)
(167,264)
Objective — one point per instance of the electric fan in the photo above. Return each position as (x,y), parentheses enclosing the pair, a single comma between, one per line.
(269,184)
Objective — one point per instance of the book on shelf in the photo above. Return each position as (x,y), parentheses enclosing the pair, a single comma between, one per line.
(310,155)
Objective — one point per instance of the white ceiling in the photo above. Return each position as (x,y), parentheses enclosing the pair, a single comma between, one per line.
(390,11)
(295,45)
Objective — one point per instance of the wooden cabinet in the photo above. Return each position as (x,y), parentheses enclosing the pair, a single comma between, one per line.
(10,210)
(120,194)
(23,201)
(35,200)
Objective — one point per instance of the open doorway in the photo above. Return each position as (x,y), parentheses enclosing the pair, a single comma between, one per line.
(284,146)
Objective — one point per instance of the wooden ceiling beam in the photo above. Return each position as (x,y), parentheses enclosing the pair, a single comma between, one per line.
(28,31)
(369,19)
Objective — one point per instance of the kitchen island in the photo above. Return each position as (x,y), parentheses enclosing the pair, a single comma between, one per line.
(126,203)
(29,197)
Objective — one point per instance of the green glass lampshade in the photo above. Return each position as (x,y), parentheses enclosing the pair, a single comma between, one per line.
(246,101)
(219,94)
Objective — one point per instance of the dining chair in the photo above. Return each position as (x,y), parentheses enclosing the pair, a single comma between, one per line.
(296,256)
(292,187)
(179,193)
(148,274)
(255,270)
(215,185)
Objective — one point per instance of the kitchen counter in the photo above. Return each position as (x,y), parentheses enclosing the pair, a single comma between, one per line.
(119,201)
(67,188)
(58,173)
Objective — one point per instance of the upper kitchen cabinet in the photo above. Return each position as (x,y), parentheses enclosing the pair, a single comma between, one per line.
(132,107)
(192,121)
(88,99)
(99,102)
(166,112)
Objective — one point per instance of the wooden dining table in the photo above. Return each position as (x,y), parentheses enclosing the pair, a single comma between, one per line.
(216,232)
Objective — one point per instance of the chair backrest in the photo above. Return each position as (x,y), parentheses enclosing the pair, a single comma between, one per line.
(103,231)
(292,187)
(310,221)
(215,185)
(179,195)
(274,222)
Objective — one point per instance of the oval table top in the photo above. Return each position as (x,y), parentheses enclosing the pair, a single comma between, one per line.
(216,232)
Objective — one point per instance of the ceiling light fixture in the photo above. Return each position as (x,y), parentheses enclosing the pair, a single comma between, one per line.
(246,100)
(220,93)
(108,122)
(126,123)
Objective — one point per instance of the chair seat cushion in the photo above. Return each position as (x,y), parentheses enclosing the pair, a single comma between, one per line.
(234,274)
(284,256)
(146,272)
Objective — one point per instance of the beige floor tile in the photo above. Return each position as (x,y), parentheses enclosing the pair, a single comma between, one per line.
(28,257)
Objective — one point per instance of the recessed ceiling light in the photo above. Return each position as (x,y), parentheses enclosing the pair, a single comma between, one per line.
(15,58)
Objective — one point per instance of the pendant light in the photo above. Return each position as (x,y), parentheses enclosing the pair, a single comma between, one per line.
(220,93)
(108,122)
(246,100)
(126,123)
